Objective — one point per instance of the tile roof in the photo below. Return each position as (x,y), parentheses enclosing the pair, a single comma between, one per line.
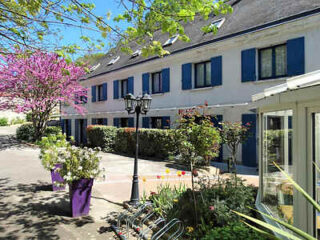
(247,16)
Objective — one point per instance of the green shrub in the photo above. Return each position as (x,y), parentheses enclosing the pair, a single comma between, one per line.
(234,231)
(102,136)
(29,117)
(152,142)
(26,131)
(4,121)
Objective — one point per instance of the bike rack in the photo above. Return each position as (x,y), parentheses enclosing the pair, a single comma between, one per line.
(137,217)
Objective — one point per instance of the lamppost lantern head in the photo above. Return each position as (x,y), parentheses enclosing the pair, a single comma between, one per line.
(146,102)
(129,101)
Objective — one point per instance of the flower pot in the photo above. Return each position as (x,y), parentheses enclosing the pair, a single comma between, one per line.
(56,177)
(80,196)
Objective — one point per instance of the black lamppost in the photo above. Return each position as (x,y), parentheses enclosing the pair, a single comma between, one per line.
(140,104)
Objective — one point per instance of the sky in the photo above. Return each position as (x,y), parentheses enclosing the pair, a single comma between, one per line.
(72,35)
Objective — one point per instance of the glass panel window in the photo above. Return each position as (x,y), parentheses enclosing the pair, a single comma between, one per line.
(316,151)
(156,82)
(281,60)
(203,74)
(124,122)
(124,88)
(100,93)
(273,62)
(156,122)
(277,193)
(266,63)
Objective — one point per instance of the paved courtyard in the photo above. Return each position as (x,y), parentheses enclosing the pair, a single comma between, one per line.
(30,210)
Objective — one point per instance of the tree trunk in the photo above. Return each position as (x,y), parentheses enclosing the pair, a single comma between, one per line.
(193,194)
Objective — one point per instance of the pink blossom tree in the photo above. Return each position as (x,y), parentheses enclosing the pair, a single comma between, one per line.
(38,82)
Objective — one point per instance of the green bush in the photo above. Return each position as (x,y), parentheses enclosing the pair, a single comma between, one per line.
(234,231)
(29,117)
(152,142)
(102,136)
(4,121)
(26,131)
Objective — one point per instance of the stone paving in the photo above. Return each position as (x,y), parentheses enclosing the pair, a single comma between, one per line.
(30,210)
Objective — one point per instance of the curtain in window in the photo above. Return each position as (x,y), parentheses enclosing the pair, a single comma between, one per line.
(281,60)
(266,63)
(200,75)
(208,73)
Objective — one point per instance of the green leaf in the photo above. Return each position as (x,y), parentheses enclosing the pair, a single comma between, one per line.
(272,228)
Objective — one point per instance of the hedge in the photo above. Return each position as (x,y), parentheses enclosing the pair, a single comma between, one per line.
(25,132)
(156,143)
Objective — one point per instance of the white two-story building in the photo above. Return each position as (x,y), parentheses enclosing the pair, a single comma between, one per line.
(258,46)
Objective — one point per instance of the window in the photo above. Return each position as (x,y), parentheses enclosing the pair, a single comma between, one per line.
(99,121)
(113,61)
(277,191)
(203,74)
(124,122)
(93,68)
(218,23)
(136,53)
(100,92)
(273,62)
(170,41)
(156,82)
(156,122)
(124,88)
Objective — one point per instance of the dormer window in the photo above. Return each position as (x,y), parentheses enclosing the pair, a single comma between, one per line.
(136,53)
(113,61)
(171,41)
(93,68)
(217,23)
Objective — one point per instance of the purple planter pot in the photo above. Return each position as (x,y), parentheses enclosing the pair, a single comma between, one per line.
(80,196)
(56,177)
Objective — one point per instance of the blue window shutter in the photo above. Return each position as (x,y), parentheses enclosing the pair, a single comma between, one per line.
(62,125)
(105,121)
(94,93)
(248,65)
(216,120)
(146,122)
(131,85)
(116,122)
(145,83)
(116,89)
(216,71)
(166,122)
(105,91)
(165,74)
(295,56)
(93,121)
(186,76)
(249,148)
(69,127)
(77,130)
(130,122)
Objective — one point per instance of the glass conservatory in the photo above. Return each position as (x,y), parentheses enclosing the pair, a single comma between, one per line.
(289,123)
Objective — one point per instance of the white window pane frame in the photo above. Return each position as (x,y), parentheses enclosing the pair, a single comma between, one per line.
(203,74)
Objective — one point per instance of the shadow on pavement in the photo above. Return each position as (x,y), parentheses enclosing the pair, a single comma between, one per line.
(31,211)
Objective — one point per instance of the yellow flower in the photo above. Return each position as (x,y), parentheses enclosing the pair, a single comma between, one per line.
(167,171)
(162,177)
(179,173)
(189,229)
(175,200)
(144,179)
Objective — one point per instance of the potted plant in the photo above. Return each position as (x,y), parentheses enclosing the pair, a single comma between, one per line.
(51,153)
(80,166)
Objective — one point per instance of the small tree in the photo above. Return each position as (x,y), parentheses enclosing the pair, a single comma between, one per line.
(37,83)
(197,141)
(234,134)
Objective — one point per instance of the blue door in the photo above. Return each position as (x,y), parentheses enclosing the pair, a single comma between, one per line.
(249,148)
